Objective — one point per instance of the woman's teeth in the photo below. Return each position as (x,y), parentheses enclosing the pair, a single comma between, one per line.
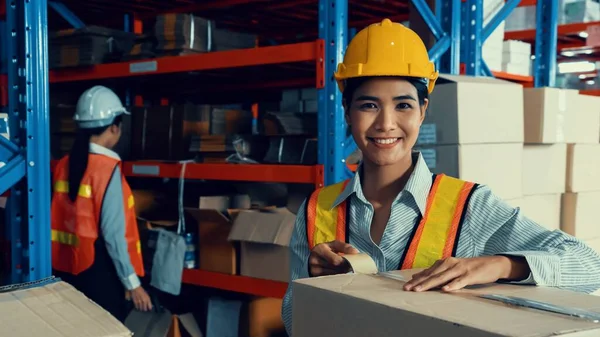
(385,140)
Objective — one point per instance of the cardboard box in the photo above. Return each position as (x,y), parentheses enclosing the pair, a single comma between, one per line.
(544,209)
(499,166)
(215,252)
(579,216)
(264,238)
(545,112)
(583,167)
(54,309)
(455,114)
(261,317)
(582,124)
(386,310)
(544,169)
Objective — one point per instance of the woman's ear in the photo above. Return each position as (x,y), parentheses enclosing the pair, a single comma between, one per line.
(424,107)
(346,112)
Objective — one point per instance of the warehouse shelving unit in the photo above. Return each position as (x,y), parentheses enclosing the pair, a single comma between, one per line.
(456,24)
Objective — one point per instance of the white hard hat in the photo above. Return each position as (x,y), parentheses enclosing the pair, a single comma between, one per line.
(98,107)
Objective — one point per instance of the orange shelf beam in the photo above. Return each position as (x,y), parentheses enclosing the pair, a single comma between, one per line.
(239,284)
(303,174)
(591,92)
(289,53)
(512,77)
(563,30)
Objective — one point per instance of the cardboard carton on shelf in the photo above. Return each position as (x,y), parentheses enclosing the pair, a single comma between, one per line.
(473,110)
(545,114)
(579,216)
(264,238)
(215,252)
(390,311)
(544,169)
(583,123)
(544,209)
(583,168)
(55,309)
(497,165)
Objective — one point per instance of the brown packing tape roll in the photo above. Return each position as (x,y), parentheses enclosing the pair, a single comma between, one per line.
(361,263)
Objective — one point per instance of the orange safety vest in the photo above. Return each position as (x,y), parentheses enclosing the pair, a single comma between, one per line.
(434,237)
(76,225)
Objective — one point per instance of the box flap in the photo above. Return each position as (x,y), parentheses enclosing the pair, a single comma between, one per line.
(265,226)
(55,309)
(210,215)
(445,78)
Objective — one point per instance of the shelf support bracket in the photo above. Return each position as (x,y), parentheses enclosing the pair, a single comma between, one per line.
(66,14)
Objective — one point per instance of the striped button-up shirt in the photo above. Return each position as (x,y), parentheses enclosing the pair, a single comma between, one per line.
(490,227)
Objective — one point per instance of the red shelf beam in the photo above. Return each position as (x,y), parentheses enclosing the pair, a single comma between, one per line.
(512,77)
(591,92)
(303,174)
(239,284)
(289,53)
(563,30)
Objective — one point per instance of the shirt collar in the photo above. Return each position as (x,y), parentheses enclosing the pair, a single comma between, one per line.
(99,149)
(418,185)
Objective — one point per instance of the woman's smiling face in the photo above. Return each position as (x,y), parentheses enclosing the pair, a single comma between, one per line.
(385,115)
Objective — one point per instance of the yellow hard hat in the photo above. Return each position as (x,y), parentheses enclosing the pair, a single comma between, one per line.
(386,49)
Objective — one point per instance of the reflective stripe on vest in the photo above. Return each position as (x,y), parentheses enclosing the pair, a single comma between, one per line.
(325,223)
(64,238)
(72,240)
(433,238)
(62,186)
(436,235)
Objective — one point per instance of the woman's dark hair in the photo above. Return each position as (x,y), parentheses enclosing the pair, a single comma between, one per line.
(354,83)
(78,157)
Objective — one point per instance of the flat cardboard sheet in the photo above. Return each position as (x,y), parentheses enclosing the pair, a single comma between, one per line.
(55,310)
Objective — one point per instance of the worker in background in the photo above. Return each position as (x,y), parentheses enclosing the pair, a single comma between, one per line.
(395,210)
(95,239)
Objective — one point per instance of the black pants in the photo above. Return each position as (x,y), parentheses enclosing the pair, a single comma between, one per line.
(101,284)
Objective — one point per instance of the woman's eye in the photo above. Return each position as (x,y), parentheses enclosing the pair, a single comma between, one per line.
(404,106)
(368,106)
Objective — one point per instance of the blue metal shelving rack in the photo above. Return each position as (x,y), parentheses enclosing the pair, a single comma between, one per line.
(456,25)
(27,154)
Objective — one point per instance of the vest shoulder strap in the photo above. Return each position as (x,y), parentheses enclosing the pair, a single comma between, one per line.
(324,222)
(436,235)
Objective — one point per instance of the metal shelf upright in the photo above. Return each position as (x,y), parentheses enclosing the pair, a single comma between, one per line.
(27,154)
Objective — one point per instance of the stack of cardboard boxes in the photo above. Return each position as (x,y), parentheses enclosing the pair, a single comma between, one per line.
(474,131)
(536,148)
(561,161)
(516,58)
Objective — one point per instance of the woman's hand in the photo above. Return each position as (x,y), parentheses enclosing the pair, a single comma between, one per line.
(452,273)
(141,300)
(325,258)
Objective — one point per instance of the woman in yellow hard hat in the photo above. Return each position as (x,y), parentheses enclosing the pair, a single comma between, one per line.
(403,216)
